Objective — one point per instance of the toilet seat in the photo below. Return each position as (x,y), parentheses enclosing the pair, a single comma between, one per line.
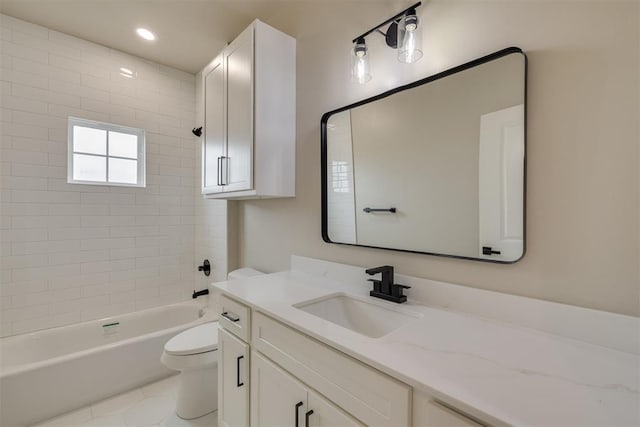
(199,339)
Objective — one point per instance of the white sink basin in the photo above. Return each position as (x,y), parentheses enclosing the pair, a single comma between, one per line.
(368,318)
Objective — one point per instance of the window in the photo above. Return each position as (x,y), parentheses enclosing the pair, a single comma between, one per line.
(105,154)
(340,176)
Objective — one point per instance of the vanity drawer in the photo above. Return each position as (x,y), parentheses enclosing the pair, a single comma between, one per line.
(427,413)
(235,318)
(367,394)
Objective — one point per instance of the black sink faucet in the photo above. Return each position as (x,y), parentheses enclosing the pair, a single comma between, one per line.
(385,288)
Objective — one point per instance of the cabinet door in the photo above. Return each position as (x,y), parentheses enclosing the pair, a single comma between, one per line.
(214,132)
(233,381)
(238,161)
(326,414)
(277,399)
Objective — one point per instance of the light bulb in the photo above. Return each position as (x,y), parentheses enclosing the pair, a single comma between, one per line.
(409,38)
(360,62)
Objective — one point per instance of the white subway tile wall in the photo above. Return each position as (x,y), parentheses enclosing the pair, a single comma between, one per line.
(76,252)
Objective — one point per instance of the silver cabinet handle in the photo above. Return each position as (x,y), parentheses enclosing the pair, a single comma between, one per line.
(225,175)
(227,316)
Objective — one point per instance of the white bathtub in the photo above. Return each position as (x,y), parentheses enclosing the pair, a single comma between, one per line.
(46,373)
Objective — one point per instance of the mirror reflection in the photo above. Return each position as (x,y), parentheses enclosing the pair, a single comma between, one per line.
(436,167)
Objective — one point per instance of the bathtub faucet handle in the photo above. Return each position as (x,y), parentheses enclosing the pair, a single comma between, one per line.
(205,267)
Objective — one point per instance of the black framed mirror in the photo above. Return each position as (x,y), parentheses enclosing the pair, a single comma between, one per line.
(435,167)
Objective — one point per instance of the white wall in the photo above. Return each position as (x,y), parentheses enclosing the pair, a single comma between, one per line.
(76,252)
(583,184)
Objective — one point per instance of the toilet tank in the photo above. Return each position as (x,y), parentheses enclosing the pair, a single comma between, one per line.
(243,273)
(214,293)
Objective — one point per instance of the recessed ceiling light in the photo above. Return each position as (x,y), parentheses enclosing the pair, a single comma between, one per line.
(145,34)
(129,76)
(126,70)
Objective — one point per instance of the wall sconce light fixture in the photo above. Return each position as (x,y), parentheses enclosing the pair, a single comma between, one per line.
(404,33)
(360,62)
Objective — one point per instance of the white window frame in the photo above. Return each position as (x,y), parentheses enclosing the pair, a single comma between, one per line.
(139,133)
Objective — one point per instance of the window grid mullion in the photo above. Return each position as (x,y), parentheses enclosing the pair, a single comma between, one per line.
(107,158)
(102,155)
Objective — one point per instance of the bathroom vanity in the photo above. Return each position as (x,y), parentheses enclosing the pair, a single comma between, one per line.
(309,347)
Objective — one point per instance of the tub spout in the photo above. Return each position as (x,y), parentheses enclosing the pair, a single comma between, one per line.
(200,293)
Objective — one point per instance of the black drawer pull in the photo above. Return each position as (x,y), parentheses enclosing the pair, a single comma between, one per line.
(298,405)
(369,210)
(306,418)
(238,383)
(227,316)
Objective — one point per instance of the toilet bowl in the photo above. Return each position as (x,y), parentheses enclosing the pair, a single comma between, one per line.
(194,353)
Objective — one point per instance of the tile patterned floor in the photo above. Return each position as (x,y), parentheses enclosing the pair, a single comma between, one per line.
(150,406)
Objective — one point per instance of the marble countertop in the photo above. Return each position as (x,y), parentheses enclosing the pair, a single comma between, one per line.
(501,373)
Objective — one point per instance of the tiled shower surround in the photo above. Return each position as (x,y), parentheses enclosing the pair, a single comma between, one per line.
(74,252)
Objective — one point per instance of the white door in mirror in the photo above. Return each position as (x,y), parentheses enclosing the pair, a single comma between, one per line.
(501,184)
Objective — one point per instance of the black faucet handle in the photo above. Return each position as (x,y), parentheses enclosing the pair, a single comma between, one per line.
(205,267)
(377,284)
(396,292)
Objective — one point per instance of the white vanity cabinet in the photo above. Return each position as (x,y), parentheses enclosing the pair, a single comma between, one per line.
(248,148)
(428,412)
(373,398)
(233,381)
(278,399)
(294,380)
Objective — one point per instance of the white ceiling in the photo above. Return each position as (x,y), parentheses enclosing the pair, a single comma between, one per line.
(189,32)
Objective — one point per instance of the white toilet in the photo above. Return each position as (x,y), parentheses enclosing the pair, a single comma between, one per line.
(194,353)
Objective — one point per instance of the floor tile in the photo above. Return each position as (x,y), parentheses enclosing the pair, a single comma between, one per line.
(106,421)
(118,403)
(152,405)
(165,386)
(152,410)
(209,420)
(69,419)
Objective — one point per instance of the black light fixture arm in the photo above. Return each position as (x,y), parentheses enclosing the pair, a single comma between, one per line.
(388,21)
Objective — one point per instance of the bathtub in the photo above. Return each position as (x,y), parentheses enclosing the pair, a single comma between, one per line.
(50,372)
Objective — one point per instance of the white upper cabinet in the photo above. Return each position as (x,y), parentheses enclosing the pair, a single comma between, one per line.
(213,145)
(248,146)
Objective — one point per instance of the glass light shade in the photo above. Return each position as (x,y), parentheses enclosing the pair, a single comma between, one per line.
(360,72)
(409,39)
